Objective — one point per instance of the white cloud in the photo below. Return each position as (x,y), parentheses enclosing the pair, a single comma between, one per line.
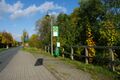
(16,10)
(46,6)
(15,7)
(25,12)
(4,7)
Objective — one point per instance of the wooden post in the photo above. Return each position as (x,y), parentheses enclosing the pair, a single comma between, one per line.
(45,49)
(86,55)
(71,55)
(63,52)
(48,49)
(112,59)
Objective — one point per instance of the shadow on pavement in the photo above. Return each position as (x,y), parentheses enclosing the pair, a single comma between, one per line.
(39,62)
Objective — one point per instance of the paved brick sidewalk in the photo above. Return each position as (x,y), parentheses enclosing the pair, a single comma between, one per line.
(63,71)
(21,67)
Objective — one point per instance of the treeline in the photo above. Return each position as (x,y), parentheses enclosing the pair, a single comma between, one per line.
(25,39)
(93,23)
(7,40)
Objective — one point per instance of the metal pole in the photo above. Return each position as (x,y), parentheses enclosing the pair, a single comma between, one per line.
(51,37)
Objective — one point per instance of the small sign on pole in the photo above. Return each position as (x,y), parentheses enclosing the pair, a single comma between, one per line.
(55,33)
(58,44)
(55,30)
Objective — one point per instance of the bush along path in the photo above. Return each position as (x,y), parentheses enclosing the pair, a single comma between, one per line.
(66,69)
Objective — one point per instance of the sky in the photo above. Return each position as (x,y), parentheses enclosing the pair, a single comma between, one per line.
(17,15)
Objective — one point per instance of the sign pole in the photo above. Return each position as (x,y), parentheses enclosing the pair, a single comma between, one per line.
(56,34)
(57,46)
(51,37)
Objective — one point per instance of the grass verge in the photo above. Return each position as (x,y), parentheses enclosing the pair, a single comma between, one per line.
(2,49)
(97,72)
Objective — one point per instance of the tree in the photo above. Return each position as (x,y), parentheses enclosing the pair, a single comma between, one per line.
(91,12)
(0,39)
(34,41)
(75,27)
(43,29)
(108,32)
(64,29)
(25,38)
(6,39)
(94,22)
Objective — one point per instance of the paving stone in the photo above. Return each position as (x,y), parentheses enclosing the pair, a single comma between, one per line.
(21,67)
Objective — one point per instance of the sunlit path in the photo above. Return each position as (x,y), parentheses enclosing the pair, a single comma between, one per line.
(21,67)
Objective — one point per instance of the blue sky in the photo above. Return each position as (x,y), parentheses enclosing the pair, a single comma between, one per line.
(17,15)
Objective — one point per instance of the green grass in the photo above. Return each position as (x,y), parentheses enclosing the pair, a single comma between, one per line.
(97,72)
(2,49)
(35,51)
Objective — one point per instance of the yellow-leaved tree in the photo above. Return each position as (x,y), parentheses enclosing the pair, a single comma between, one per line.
(90,42)
(108,32)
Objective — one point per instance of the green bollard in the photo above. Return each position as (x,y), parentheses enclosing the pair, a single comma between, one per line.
(56,52)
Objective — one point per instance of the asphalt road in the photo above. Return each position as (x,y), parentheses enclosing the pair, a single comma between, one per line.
(6,56)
